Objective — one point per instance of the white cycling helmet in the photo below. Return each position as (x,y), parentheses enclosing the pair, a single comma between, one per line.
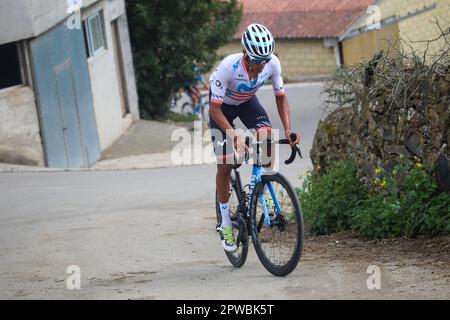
(258,41)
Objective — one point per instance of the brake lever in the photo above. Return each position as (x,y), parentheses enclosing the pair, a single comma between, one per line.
(299,151)
(295,149)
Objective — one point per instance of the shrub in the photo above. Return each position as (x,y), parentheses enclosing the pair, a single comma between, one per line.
(404,202)
(328,200)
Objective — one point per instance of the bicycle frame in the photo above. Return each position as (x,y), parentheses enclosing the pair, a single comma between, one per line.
(257,176)
(257,173)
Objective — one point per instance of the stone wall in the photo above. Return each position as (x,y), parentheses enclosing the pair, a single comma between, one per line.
(373,134)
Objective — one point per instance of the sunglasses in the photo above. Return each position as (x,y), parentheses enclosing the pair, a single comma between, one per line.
(258,61)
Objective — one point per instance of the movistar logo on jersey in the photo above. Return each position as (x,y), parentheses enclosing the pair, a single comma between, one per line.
(221,144)
(236,65)
(253,86)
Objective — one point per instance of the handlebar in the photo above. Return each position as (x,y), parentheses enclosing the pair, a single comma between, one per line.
(295,149)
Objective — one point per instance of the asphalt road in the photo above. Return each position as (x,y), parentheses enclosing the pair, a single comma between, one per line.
(149,234)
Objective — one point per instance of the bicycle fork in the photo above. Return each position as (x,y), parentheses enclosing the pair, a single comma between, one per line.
(256,176)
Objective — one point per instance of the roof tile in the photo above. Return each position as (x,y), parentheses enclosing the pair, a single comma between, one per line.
(303,18)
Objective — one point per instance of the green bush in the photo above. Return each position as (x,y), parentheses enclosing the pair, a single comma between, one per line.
(328,200)
(404,202)
(168,38)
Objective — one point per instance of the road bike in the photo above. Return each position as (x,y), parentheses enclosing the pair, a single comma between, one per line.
(201,109)
(268,210)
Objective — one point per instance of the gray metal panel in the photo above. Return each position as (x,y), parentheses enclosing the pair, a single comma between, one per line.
(85,102)
(71,127)
(65,98)
(47,94)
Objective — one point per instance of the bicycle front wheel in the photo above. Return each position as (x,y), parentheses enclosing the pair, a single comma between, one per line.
(277,225)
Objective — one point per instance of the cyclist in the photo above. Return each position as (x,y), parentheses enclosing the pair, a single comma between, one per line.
(233,86)
(190,87)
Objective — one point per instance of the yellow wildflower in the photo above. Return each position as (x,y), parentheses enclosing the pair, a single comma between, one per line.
(419,165)
(377,170)
(383,183)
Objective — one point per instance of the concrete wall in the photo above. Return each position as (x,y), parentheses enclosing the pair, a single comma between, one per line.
(35,17)
(130,78)
(305,57)
(20,140)
(418,27)
(299,57)
(366,45)
(12,11)
(19,126)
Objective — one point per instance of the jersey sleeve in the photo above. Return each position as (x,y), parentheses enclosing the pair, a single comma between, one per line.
(219,83)
(277,80)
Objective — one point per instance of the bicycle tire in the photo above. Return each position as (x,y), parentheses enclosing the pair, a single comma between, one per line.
(280,270)
(238,258)
(205,114)
(187,109)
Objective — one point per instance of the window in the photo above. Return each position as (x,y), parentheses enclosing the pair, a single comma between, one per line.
(95,34)
(10,74)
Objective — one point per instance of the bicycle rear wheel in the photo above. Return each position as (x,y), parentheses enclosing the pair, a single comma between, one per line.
(278,245)
(187,109)
(239,257)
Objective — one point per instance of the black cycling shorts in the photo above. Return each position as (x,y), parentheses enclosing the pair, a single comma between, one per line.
(252,115)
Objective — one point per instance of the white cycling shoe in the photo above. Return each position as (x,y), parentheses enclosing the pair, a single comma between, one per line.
(227,237)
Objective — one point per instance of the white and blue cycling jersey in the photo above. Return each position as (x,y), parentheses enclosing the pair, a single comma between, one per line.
(230,83)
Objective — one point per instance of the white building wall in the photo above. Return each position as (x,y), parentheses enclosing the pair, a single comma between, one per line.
(10,13)
(19,125)
(104,80)
(24,19)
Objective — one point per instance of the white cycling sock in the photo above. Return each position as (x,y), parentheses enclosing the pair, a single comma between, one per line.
(225,211)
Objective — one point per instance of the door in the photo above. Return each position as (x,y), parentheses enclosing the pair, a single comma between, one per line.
(64,97)
(118,57)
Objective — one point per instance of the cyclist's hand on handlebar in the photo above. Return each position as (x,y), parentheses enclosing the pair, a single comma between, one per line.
(289,137)
(239,145)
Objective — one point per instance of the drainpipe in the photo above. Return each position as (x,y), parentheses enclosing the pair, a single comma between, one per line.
(334,43)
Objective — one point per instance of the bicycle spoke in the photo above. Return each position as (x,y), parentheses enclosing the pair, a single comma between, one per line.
(279,243)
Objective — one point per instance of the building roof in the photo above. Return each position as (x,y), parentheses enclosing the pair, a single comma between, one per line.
(303,18)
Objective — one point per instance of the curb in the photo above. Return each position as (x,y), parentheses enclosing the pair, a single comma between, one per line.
(141,162)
